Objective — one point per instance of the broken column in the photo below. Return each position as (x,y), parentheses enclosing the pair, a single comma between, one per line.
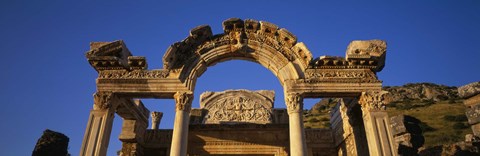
(156,118)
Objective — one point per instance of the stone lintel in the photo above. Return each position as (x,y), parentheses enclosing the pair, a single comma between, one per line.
(330,89)
(142,88)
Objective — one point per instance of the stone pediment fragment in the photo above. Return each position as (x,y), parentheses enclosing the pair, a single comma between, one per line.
(237,106)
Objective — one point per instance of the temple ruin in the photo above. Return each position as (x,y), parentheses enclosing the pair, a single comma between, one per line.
(240,122)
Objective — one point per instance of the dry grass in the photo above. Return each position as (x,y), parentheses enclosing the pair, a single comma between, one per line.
(433,115)
(430,114)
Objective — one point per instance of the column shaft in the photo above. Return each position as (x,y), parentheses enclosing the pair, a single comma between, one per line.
(180,134)
(298,145)
(183,103)
(97,134)
(377,124)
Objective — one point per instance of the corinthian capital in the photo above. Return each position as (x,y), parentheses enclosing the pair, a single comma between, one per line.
(373,100)
(294,102)
(103,100)
(156,116)
(183,101)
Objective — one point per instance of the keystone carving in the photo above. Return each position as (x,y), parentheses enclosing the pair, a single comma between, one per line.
(183,101)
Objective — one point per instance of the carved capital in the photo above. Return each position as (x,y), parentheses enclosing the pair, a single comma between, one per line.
(156,116)
(183,101)
(294,102)
(103,100)
(373,100)
(131,149)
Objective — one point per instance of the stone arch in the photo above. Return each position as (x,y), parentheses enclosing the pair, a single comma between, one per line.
(265,43)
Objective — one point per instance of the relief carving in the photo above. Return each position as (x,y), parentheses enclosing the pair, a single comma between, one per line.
(239,109)
(373,100)
(238,106)
(238,34)
(135,74)
(339,75)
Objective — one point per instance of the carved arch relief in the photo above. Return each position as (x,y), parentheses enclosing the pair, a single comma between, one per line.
(265,43)
(261,42)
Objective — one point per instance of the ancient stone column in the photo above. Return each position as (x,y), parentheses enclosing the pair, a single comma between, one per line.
(183,104)
(156,118)
(97,134)
(377,124)
(298,146)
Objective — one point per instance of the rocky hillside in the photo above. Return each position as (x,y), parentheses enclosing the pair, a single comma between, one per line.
(422,92)
(438,107)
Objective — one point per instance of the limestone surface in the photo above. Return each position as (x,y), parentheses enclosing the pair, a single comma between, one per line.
(469,90)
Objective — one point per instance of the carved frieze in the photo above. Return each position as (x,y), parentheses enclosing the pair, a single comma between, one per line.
(373,101)
(238,106)
(294,102)
(341,75)
(238,109)
(135,74)
(183,101)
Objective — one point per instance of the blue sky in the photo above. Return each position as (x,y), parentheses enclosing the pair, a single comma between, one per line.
(47,82)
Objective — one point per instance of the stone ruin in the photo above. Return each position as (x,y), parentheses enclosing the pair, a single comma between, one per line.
(240,122)
(51,143)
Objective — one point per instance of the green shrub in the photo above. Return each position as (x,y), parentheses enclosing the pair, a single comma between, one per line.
(425,127)
(324,119)
(313,120)
(326,124)
(459,125)
(455,118)
(442,97)
(449,118)
(461,118)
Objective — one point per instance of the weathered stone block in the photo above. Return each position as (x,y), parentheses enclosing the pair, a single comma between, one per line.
(469,90)
(473,114)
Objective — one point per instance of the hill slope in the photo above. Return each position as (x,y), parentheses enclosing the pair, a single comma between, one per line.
(438,107)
